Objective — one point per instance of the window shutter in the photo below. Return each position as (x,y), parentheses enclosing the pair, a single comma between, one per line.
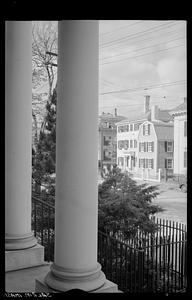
(165,146)
(143,129)
(144,146)
(152,146)
(148,129)
(139,147)
(165,163)
(152,163)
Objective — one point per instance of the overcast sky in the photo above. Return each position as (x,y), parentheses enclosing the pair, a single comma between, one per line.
(123,64)
(143,57)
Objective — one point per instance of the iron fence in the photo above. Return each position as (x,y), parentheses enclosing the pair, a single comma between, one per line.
(149,262)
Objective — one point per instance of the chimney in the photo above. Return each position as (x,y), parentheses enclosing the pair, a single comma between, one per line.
(115,112)
(185,100)
(146,105)
(154,113)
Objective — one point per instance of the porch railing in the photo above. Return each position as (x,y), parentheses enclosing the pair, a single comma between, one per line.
(148,263)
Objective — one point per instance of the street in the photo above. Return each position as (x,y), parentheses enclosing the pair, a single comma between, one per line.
(173,201)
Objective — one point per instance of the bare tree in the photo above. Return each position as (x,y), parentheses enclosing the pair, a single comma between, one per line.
(44,72)
(44,39)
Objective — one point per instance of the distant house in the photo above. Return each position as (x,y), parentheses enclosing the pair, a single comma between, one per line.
(107,146)
(179,114)
(146,142)
(155,152)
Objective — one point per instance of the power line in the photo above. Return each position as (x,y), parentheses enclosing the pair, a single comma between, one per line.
(140,33)
(172,32)
(139,49)
(166,84)
(109,32)
(121,60)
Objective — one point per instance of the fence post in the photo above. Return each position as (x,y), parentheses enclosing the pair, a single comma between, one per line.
(159,176)
(141,268)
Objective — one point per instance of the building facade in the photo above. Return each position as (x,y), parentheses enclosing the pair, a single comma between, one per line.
(107,146)
(142,143)
(155,152)
(179,114)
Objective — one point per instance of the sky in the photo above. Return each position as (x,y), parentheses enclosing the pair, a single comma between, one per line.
(139,58)
(143,57)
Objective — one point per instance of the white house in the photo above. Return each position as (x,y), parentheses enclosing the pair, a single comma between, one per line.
(179,114)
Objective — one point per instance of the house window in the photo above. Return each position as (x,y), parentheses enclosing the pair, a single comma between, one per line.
(145,146)
(135,143)
(168,146)
(120,161)
(150,146)
(131,127)
(136,127)
(120,129)
(168,163)
(141,163)
(146,129)
(107,140)
(150,163)
(185,128)
(126,144)
(141,147)
(185,159)
(107,155)
(131,143)
(120,145)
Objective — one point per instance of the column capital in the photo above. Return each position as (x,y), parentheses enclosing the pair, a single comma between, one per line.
(62,279)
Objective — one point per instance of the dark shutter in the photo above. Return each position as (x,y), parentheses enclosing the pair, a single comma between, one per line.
(143,129)
(165,163)
(144,146)
(148,129)
(139,147)
(165,146)
(152,146)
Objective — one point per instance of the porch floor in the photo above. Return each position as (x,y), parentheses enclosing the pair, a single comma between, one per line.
(23,280)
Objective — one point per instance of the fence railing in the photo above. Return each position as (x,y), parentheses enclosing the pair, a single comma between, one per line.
(146,263)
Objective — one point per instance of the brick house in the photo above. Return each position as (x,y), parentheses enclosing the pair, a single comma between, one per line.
(107,146)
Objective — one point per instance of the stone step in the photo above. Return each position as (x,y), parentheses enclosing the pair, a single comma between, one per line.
(23,280)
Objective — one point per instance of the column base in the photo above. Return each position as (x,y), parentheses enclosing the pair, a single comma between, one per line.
(62,280)
(108,287)
(26,258)
(19,242)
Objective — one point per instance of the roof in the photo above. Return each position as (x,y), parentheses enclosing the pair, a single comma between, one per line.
(164,131)
(180,108)
(142,117)
(110,117)
(163,115)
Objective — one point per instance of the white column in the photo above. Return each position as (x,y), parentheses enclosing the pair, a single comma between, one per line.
(18,107)
(75,264)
